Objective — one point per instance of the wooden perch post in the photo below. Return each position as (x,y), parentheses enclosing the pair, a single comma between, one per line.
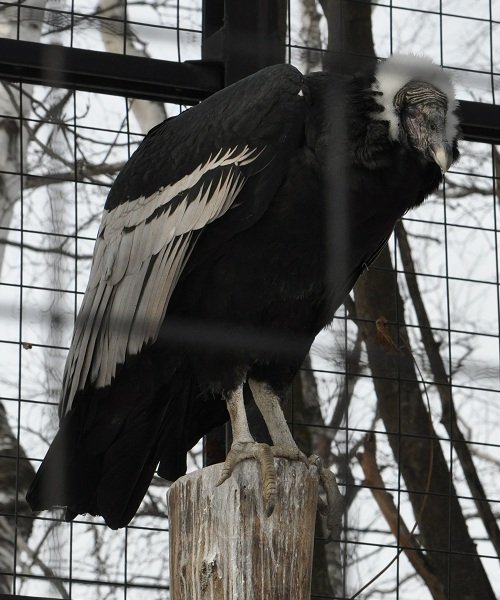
(222,545)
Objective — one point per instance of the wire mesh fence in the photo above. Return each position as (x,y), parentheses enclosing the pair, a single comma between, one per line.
(169,30)
(413,418)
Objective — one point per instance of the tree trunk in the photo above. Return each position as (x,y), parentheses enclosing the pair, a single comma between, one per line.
(224,547)
(15,102)
(118,37)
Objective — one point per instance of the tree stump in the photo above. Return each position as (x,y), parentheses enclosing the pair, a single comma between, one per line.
(222,545)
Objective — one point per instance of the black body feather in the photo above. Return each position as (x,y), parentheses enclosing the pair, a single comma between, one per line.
(259,284)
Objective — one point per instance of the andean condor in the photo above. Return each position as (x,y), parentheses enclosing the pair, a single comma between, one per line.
(228,241)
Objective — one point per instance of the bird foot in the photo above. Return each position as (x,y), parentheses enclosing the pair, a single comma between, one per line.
(332,508)
(264,454)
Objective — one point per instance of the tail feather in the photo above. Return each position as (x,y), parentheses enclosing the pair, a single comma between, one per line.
(201,414)
(104,467)
(130,463)
(67,474)
(108,446)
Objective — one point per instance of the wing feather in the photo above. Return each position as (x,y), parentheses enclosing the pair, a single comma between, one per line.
(97,264)
(126,297)
(145,316)
(148,243)
(193,211)
(84,337)
(122,260)
(141,250)
(158,290)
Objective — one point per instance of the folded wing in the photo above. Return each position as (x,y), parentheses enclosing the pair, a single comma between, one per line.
(187,173)
(141,249)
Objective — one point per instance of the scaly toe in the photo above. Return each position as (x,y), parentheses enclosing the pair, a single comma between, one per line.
(262,453)
(289,453)
(239,451)
(265,457)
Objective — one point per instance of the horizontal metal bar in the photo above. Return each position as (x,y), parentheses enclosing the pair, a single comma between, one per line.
(16,597)
(107,73)
(167,81)
(480,122)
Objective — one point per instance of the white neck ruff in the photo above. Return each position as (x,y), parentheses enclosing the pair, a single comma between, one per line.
(395,72)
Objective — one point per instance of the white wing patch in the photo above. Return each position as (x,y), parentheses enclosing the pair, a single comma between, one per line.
(140,252)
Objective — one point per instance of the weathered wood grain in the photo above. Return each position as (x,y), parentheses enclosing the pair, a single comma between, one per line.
(223,547)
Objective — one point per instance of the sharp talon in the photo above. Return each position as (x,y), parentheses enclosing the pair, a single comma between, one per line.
(236,454)
(227,469)
(269,504)
(225,474)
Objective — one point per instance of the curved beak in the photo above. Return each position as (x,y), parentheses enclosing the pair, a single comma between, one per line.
(443,155)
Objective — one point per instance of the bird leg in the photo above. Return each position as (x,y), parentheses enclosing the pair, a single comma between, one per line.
(284,446)
(245,447)
(270,407)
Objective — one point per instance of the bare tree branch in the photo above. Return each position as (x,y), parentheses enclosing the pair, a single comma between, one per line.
(83,172)
(54,250)
(403,535)
(8,532)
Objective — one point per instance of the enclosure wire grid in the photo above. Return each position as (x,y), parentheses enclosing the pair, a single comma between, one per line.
(69,147)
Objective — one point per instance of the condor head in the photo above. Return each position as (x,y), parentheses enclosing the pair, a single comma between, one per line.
(417,99)
(423,111)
